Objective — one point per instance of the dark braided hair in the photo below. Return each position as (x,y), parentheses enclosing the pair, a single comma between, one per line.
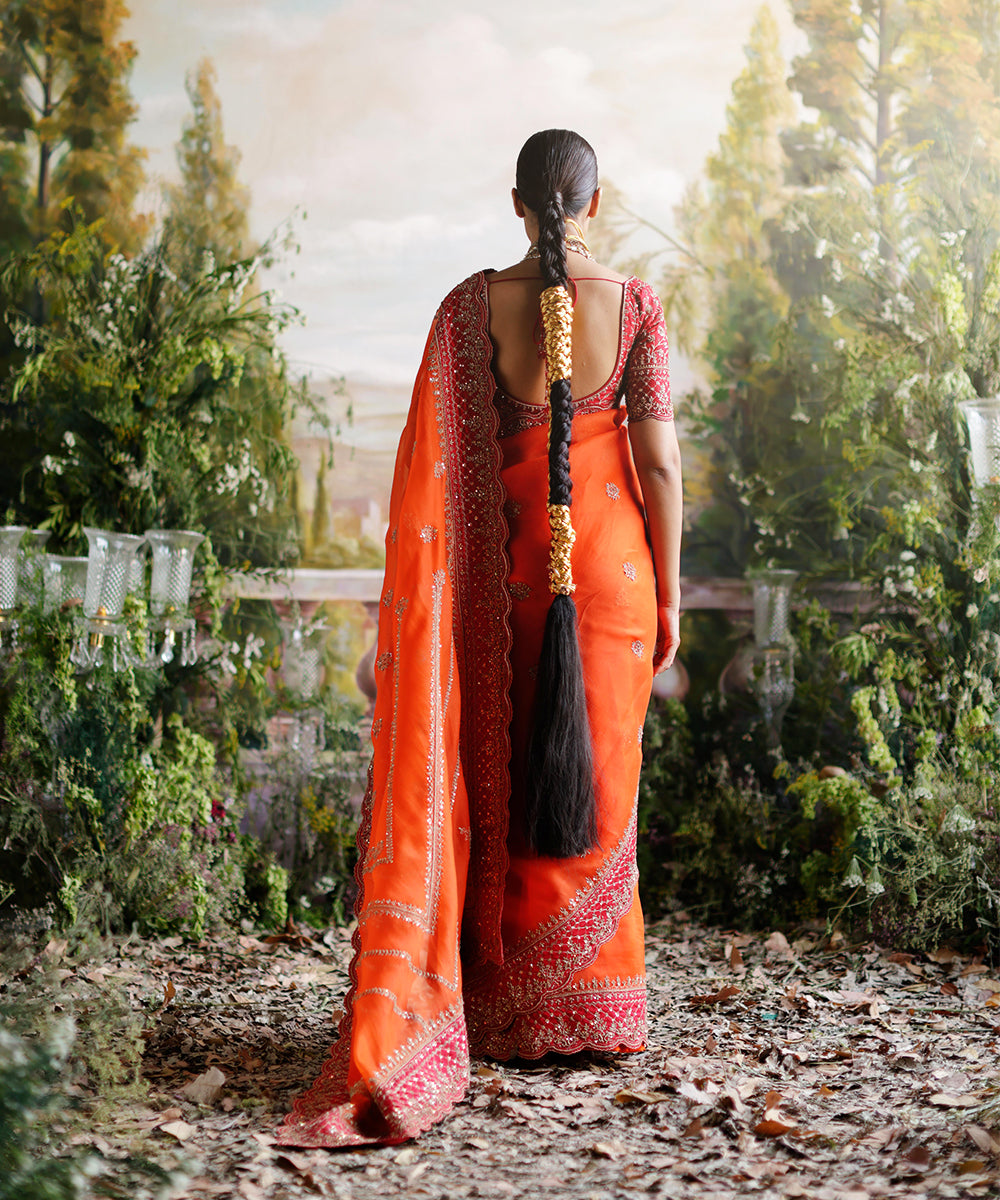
(556,179)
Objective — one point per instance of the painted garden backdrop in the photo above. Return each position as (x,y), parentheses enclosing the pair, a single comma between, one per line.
(817,202)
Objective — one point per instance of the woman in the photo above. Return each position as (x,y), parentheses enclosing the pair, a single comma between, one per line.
(497,904)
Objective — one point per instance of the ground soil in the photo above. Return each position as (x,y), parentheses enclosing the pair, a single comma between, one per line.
(778,1067)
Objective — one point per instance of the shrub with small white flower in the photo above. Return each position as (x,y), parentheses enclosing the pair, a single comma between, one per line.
(144,399)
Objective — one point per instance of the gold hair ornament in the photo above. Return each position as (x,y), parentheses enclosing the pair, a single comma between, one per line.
(563,536)
(557,321)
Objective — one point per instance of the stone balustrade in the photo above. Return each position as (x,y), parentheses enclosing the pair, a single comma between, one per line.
(309,586)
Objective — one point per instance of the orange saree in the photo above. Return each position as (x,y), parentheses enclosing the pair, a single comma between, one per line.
(464,938)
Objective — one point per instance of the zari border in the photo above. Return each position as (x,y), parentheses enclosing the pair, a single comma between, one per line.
(600,1014)
(423,1087)
(477,538)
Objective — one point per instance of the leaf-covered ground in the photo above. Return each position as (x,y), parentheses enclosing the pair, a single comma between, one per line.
(810,1069)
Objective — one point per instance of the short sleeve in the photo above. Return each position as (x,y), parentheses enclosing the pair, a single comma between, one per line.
(647,377)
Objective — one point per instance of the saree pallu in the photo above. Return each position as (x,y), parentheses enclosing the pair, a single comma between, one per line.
(463,936)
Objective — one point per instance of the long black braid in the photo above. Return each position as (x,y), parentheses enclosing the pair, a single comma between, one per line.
(556,177)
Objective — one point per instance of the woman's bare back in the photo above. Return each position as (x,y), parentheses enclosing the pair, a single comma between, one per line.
(514,327)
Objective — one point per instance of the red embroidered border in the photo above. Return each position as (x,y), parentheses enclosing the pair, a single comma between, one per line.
(605,1014)
(408,1101)
(479,568)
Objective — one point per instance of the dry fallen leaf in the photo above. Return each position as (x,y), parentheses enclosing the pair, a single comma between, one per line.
(854,1000)
(947,1100)
(697,1095)
(772,1128)
(206,1088)
(777,943)
(973,968)
(983,1140)
(919,1156)
(632,1096)
(181,1130)
(720,997)
(943,955)
(972,1166)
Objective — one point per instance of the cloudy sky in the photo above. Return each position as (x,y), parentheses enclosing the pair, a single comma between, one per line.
(387,130)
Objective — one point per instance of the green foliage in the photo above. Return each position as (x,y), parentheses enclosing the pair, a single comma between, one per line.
(307,816)
(64,1065)
(136,392)
(149,400)
(29,1069)
(111,802)
(837,340)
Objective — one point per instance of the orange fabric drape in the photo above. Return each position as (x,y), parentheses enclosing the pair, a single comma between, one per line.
(461,934)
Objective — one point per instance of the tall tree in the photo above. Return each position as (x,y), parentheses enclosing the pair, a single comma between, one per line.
(207,210)
(724,301)
(65,109)
(723,221)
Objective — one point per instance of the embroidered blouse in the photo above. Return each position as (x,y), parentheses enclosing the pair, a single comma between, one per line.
(640,376)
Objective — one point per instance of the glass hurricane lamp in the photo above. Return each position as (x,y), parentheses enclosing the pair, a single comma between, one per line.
(65,580)
(772,670)
(302,673)
(10,541)
(109,574)
(171,629)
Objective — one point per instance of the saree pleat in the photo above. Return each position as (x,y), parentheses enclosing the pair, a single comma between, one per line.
(463,936)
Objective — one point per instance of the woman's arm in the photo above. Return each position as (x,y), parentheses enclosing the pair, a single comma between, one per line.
(657,460)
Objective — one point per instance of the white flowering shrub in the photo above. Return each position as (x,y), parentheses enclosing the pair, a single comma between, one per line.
(143,400)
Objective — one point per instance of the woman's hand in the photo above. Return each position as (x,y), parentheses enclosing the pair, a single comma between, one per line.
(668,637)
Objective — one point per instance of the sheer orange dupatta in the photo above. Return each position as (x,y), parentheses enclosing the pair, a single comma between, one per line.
(402,1059)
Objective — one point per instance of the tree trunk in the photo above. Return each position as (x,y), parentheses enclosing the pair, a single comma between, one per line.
(883,128)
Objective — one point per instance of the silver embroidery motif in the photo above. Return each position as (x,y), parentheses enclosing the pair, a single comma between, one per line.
(519,589)
(439,469)
(428,534)
(383,660)
(640,735)
(376,727)
(638,649)
(613,490)
(629,569)
(387,598)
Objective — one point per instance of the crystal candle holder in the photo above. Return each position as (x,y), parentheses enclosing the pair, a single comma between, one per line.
(302,659)
(173,561)
(170,628)
(105,636)
(109,568)
(773,681)
(982,417)
(10,542)
(772,595)
(65,580)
